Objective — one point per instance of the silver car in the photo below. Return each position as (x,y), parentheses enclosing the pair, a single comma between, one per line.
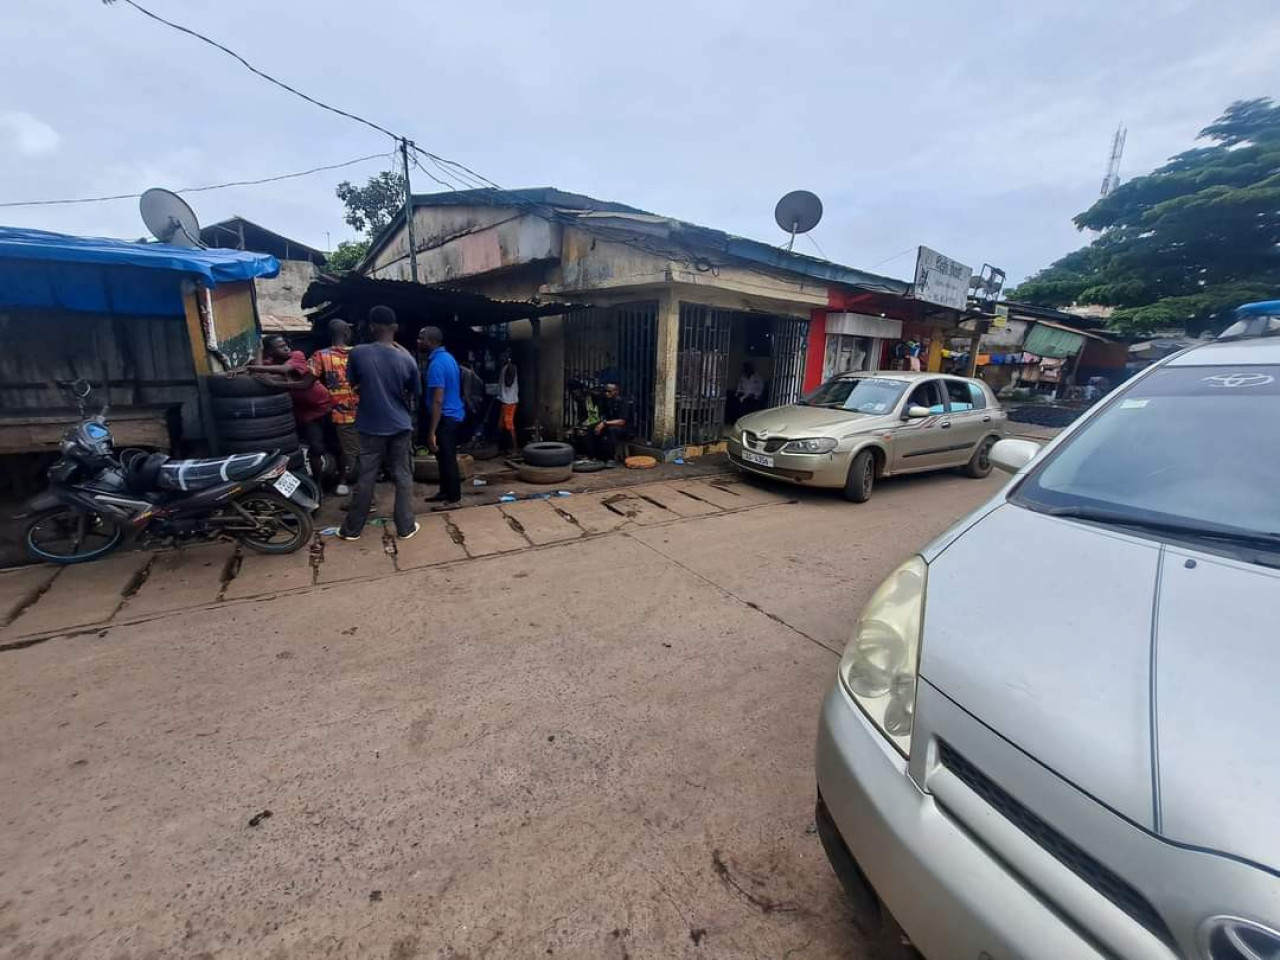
(1056,731)
(860,427)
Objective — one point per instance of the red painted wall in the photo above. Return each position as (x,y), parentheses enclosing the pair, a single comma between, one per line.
(816,352)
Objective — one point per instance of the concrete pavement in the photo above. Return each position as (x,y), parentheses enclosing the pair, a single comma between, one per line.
(596,746)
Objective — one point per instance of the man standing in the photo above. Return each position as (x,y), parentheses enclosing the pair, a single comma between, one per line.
(288,370)
(616,424)
(386,379)
(444,398)
(509,396)
(329,366)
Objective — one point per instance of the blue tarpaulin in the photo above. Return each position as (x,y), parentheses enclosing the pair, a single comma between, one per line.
(98,275)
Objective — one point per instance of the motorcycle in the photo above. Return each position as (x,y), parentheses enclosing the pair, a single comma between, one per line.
(98,497)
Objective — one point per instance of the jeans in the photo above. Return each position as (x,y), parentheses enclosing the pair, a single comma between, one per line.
(349,444)
(604,445)
(312,434)
(447,457)
(395,451)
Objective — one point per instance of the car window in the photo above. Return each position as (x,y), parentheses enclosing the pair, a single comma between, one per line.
(871,395)
(977,396)
(958,397)
(1193,444)
(928,394)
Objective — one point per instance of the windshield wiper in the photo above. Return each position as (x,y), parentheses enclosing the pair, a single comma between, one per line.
(1201,530)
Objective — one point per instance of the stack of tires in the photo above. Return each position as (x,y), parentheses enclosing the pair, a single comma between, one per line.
(251,417)
(546,462)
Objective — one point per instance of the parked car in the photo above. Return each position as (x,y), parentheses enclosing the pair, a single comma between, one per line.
(1054,731)
(860,427)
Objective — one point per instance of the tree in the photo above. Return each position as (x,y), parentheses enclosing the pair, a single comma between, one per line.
(348,256)
(1183,245)
(373,206)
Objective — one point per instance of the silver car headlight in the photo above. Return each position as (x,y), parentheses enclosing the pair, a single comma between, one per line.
(881,662)
(814,445)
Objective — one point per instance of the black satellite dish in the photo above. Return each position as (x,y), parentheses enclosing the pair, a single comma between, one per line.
(798,212)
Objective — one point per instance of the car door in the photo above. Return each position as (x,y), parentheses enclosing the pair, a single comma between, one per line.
(923,444)
(969,419)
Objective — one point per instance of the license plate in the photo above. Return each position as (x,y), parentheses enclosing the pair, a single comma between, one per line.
(287,483)
(757,458)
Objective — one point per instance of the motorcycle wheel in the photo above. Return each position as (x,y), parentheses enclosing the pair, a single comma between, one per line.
(66,535)
(283,525)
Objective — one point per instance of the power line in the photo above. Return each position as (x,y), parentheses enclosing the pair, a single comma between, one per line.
(902,253)
(212,186)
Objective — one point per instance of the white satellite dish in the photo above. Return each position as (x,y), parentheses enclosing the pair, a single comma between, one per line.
(169,218)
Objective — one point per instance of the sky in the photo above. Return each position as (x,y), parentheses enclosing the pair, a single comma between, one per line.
(977,129)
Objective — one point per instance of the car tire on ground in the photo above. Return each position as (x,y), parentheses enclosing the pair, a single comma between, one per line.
(548,454)
(979,464)
(242,408)
(483,451)
(588,466)
(532,474)
(427,469)
(220,385)
(257,427)
(862,477)
(284,443)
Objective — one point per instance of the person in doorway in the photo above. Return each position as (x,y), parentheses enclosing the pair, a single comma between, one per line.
(616,425)
(288,369)
(443,397)
(509,397)
(386,379)
(473,396)
(748,397)
(329,366)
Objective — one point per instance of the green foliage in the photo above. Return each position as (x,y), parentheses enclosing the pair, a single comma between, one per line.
(372,207)
(1186,243)
(348,256)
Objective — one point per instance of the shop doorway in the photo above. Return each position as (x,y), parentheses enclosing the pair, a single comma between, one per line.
(613,345)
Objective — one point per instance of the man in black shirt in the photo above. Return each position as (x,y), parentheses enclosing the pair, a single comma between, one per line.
(616,424)
(386,380)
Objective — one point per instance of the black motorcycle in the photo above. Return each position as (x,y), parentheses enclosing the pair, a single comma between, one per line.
(97,497)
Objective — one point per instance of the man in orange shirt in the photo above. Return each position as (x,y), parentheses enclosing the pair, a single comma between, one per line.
(330,367)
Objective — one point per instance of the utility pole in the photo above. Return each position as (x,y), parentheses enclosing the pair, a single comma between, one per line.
(1112,178)
(408,210)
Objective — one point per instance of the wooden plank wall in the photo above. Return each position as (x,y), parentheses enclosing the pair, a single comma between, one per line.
(147,359)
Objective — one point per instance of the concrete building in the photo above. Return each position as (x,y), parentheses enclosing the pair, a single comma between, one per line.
(675,308)
(279,297)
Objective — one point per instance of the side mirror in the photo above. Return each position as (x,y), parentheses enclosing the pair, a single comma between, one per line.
(916,412)
(1012,455)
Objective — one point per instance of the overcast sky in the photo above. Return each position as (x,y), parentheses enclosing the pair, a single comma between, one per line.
(976,128)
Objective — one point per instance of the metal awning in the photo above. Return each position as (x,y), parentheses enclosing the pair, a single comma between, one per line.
(1049,339)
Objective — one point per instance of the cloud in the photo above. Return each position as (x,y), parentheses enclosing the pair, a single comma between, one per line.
(30,136)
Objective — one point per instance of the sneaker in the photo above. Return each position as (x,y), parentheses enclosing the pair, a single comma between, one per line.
(447,505)
(409,536)
(342,490)
(343,535)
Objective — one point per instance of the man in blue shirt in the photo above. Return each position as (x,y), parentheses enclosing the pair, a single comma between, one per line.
(386,380)
(443,396)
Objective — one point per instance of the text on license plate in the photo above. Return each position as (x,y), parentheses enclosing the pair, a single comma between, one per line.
(757,458)
(287,483)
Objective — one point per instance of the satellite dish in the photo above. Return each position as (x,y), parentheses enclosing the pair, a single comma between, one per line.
(798,212)
(169,218)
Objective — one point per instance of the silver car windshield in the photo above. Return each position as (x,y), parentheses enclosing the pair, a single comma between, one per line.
(874,395)
(1186,447)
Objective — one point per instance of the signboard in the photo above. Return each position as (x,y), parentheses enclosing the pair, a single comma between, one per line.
(1002,316)
(941,280)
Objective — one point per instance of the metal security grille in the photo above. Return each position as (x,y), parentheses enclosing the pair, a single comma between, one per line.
(614,345)
(790,338)
(701,372)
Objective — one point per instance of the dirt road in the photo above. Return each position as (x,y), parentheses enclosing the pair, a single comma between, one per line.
(593,747)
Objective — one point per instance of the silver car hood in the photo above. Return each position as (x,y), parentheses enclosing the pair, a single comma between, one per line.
(796,420)
(1144,674)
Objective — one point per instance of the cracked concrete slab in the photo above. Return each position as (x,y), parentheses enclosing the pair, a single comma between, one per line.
(485,531)
(83,593)
(715,496)
(260,573)
(433,544)
(181,578)
(541,522)
(670,496)
(349,559)
(21,586)
(590,514)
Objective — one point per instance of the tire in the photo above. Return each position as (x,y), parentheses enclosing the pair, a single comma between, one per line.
(484,451)
(587,466)
(256,428)
(427,469)
(241,408)
(291,520)
(223,386)
(284,443)
(311,487)
(532,474)
(548,454)
(979,464)
(862,477)
(63,519)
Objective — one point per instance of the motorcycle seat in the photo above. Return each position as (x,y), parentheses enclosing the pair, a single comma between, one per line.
(190,475)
